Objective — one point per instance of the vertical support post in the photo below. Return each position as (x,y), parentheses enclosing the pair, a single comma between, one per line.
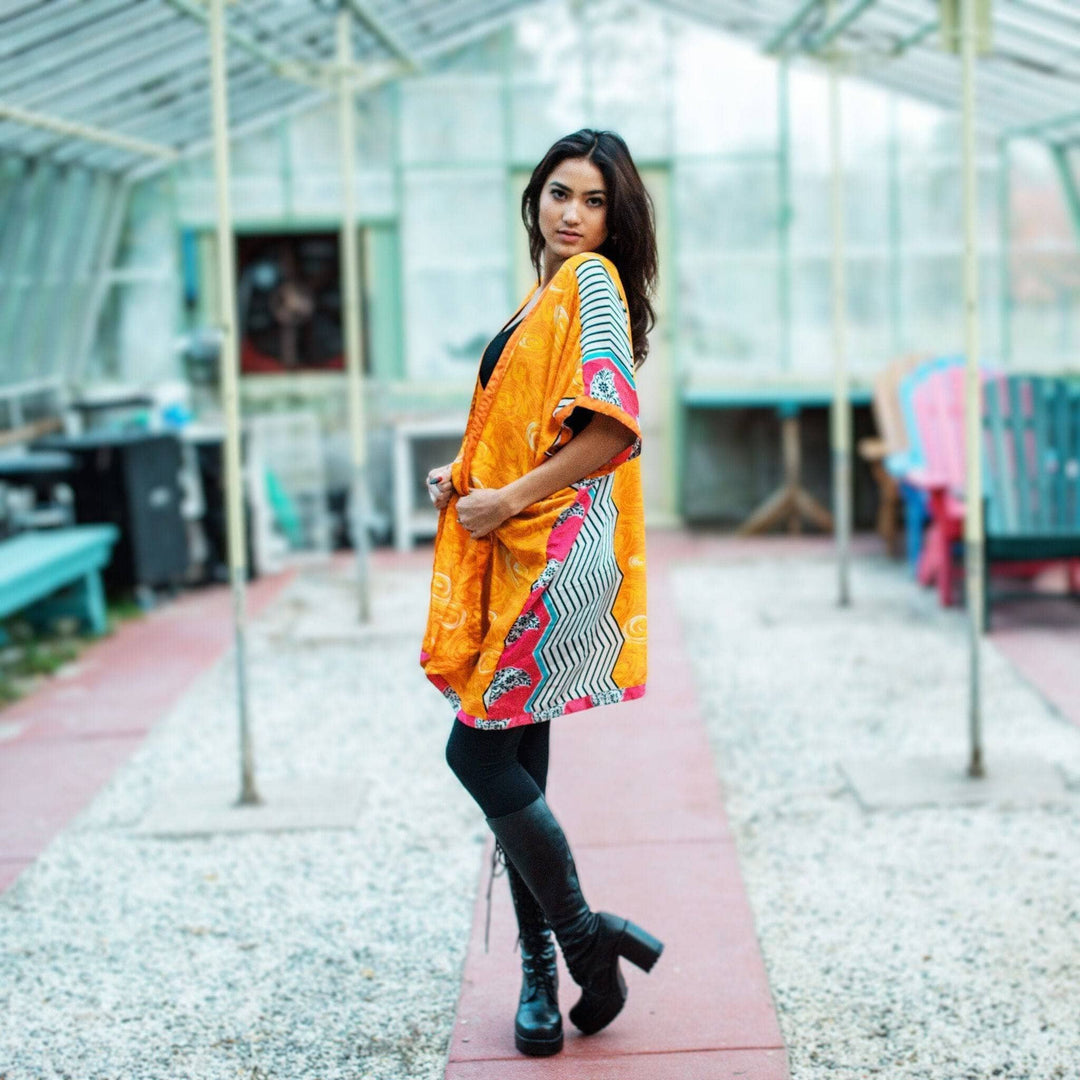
(896,256)
(1069,187)
(974,546)
(1005,249)
(350,306)
(230,364)
(506,46)
(783,163)
(841,407)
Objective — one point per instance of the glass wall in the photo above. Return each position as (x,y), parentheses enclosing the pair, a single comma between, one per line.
(441,158)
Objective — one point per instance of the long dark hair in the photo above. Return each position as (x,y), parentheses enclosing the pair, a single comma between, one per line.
(631,229)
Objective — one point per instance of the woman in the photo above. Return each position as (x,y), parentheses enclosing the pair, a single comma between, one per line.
(538,591)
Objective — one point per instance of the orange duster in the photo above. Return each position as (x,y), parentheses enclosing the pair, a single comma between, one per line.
(546,615)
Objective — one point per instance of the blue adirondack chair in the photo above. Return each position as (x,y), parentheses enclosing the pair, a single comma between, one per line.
(1031,461)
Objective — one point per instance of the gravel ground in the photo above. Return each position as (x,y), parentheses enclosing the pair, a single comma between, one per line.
(931,943)
(935,943)
(317,954)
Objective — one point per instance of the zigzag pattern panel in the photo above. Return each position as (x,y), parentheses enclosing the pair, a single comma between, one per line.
(603,318)
(578,651)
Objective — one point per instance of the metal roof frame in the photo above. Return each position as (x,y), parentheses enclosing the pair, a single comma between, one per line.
(148,102)
(1030,78)
(112,83)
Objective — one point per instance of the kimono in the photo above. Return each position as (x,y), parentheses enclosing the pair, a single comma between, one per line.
(546,615)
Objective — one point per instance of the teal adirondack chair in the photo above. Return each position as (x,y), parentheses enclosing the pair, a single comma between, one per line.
(1031,455)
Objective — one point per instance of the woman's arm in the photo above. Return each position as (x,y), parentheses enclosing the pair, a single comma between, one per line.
(485,509)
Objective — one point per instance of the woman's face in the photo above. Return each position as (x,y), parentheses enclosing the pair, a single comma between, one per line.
(573,209)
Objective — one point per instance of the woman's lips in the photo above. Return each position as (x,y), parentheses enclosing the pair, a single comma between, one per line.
(569,235)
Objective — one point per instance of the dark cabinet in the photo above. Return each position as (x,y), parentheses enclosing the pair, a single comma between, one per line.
(131,479)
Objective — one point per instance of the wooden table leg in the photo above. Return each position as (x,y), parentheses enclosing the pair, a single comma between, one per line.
(790,503)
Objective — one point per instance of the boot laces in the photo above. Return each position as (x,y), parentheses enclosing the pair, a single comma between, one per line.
(539,968)
(498,858)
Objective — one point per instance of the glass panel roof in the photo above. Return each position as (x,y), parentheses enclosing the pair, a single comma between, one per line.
(113,83)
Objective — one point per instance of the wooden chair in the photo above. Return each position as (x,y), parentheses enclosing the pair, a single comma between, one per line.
(910,461)
(891,441)
(1031,454)
(938,408)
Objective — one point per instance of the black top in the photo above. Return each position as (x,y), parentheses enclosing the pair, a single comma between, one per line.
(576,421)
(493,352)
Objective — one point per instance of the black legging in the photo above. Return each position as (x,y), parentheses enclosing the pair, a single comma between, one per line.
(503,771)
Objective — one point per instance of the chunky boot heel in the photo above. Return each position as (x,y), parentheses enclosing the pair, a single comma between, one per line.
(591,941)
(640,948)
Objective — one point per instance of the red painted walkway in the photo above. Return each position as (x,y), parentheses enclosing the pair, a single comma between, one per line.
(61,745)
(637,793)
(1041,637)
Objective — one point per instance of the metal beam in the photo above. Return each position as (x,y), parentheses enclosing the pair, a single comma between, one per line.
(785,210)
(113,32)
(1005,301)
(1069,186)
(86,132)
(146,59)
(368,79)
(777,40)
(287,67)
(838,26)
(230,390)
(55,21)
(974,537)
(180,121)
(917,37)
(351,306)
(146,170)
(1042,127)
(362,10)
(840,414)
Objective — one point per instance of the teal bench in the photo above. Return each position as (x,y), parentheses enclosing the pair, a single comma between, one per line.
(57,572)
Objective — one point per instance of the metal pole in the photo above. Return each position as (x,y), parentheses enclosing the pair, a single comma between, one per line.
(1005,246)
(841,408)
(896,258)
(783,95)
(1069,187)
(974,548)
(86,132)
(350,305)
(230,397)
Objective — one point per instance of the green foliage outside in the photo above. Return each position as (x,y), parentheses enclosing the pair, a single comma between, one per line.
(28,656)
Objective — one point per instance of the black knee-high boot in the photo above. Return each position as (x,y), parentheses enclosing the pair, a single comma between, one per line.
(591,942)
(538,1027)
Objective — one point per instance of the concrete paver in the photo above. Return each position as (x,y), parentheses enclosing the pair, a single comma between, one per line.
(72,734)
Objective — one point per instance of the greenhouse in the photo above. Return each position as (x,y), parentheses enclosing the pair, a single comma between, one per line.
(252,253)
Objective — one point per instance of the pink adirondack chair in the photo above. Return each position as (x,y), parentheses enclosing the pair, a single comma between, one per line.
(939,413)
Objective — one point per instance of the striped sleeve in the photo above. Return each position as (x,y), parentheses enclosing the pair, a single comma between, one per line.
(605,381)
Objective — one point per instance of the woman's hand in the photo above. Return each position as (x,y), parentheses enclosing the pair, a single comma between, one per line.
(482,511)
(440,486)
